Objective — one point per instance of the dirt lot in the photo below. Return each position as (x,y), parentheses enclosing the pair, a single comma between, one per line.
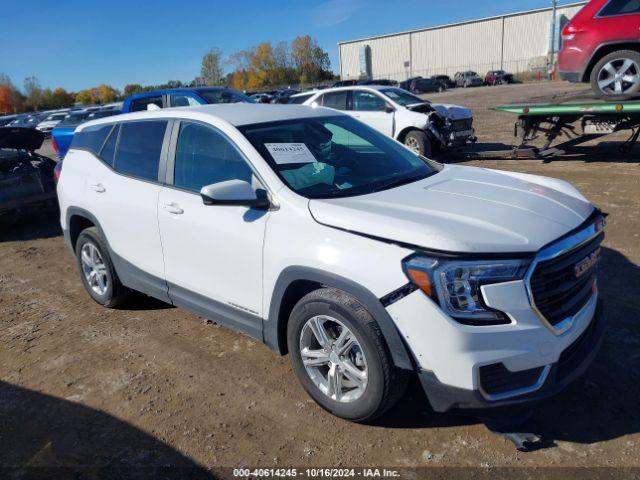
(154,385)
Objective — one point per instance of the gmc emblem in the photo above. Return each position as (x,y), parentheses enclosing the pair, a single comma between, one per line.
(583,266)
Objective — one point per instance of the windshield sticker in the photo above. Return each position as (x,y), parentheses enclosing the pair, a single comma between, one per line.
(392,94)
(285,153)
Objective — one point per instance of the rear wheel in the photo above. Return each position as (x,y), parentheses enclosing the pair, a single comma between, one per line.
(617,75)
(98,275)
(340,357)
(419,142)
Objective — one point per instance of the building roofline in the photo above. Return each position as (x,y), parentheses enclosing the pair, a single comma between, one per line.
(466,22)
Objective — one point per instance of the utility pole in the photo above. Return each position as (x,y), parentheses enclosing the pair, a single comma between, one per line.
(552,59)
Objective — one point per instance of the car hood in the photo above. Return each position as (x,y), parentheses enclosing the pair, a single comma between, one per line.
(452,112)
(18,138)
(463,209)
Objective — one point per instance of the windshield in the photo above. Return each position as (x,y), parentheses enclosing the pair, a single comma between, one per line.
(59,116)
(328,157)
(73,120)
(402,97)
(224,96)
(299,99)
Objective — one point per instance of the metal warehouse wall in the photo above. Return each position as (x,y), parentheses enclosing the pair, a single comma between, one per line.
(515,42)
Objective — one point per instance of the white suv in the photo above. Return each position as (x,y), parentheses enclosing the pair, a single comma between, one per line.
(323,238)
(426,128)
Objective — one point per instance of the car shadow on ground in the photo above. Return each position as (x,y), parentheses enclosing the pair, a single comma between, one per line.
(49,437)
(30,224)
(605,151)
(601,405)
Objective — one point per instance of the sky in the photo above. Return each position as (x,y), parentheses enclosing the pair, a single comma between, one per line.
(77,44)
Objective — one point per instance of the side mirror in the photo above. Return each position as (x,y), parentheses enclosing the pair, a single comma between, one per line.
(234,193)
(389,109)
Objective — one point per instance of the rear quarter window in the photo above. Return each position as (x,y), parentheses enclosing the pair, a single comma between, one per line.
(620,7)
(91,138)
(139,148)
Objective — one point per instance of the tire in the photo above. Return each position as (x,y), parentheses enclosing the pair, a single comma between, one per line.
(440,89)
(616,60)
(419,142)
(335,310)
(114,294)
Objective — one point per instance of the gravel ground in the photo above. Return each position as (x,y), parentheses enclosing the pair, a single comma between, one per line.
(153,385)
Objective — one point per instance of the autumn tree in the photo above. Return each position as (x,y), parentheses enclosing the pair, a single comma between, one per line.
(132,88)
(211,69)
(310,60)
(62,98)
(6,99)
(33,92)
(10,98)
(107,94)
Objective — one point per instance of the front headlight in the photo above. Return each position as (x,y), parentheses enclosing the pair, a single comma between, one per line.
(455,285)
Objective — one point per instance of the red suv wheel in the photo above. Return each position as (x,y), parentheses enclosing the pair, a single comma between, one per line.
(617,75)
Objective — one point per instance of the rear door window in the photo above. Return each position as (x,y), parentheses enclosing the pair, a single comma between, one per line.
(139,148)
(620,7)
(336,100)
(183,100)
(140,104)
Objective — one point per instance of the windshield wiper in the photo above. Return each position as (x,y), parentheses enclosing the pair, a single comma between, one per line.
(398,182)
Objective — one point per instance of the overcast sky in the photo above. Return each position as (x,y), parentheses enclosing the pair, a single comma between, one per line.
(78,44)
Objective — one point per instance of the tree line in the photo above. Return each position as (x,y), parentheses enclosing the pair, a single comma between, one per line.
(300,62)
(265,65)
(33,97)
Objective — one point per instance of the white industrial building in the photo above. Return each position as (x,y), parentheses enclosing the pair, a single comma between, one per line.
(516,42)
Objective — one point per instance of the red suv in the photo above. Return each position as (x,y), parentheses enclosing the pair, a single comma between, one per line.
(601,45)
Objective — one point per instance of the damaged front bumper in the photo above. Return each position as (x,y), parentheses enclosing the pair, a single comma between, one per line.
(573,362)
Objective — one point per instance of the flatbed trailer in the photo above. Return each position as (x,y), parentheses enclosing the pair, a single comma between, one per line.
(576,122)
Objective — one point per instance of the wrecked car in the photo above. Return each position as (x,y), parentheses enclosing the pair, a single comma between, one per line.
(26,178)
(424,127)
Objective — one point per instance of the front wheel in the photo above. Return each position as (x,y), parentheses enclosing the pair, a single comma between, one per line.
(617,75)
(419,142)
(340,357)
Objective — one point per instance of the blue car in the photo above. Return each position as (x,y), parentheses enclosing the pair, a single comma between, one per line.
(62,134)
(172,97)
(183,97)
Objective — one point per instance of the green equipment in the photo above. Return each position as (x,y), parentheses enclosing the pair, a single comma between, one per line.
(577,122)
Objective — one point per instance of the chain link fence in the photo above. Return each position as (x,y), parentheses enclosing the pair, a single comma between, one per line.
(525,70)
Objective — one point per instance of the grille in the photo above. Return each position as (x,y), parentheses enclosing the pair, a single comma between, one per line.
(496,379)
(558,291)
(461,125)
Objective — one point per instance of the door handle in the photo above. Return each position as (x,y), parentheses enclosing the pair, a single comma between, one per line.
(99,188)
(173,208)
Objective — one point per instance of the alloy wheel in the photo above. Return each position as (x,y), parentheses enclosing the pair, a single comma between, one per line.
(94,268)
(333,359)
(619,76)
(413,144)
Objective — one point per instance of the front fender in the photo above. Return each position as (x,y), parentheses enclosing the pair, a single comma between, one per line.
(275,326)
